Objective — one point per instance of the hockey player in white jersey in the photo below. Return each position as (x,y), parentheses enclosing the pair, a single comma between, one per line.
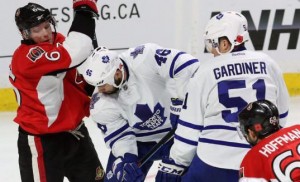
(207,144)
(136,91)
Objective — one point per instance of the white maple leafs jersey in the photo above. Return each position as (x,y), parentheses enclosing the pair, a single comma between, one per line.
(208,123)
(140,110)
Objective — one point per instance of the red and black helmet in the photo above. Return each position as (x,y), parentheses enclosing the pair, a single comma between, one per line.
(261,117)
(32,15)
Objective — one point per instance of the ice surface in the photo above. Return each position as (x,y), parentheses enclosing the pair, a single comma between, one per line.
(9,168)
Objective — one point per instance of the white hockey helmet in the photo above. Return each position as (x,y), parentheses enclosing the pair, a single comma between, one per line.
(101,66)
(230,24)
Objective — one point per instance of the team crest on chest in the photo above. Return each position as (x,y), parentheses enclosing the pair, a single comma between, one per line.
(35,53)
(150,120)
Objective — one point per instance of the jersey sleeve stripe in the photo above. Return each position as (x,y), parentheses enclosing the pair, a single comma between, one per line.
(117,132)
(153,133)
(222,127)
(186,64)
(284,115)
(184,140)
(121,136)
(176,102)
(189,125)
(229,144)
(171,71)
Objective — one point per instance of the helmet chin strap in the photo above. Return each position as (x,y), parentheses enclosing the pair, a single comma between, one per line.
(122,69)
(209,45)
(229,51)
(55,34)
(26,33)
(252,142)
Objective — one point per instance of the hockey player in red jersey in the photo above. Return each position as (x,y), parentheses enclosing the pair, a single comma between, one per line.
(275,155)
(53,99)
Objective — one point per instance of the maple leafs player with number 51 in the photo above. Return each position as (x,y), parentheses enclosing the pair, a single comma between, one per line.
(207,140)
(137,90)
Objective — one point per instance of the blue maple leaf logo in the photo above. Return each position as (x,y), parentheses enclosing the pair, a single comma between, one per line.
(105,59)
(150,120)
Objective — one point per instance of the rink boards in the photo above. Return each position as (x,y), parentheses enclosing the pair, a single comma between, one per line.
(8,102)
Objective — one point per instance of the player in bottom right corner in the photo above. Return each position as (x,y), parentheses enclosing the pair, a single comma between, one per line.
(275,152)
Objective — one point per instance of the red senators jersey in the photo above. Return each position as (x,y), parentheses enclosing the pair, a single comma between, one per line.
(276,158)
(49,91)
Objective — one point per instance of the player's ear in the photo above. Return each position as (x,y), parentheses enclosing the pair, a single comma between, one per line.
(252,134)
(224,45)
(25,34)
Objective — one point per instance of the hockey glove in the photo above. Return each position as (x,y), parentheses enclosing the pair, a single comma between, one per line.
(175,109)
(86,5)
(169,171)
(126,169)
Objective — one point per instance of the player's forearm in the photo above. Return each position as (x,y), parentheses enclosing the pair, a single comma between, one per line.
(126,144)
(185,145)
(78,43)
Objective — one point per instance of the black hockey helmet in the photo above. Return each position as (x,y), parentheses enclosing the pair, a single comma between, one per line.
(261,117)
(32,15)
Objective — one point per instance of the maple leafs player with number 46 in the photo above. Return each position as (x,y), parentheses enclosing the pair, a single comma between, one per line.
(137,90)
